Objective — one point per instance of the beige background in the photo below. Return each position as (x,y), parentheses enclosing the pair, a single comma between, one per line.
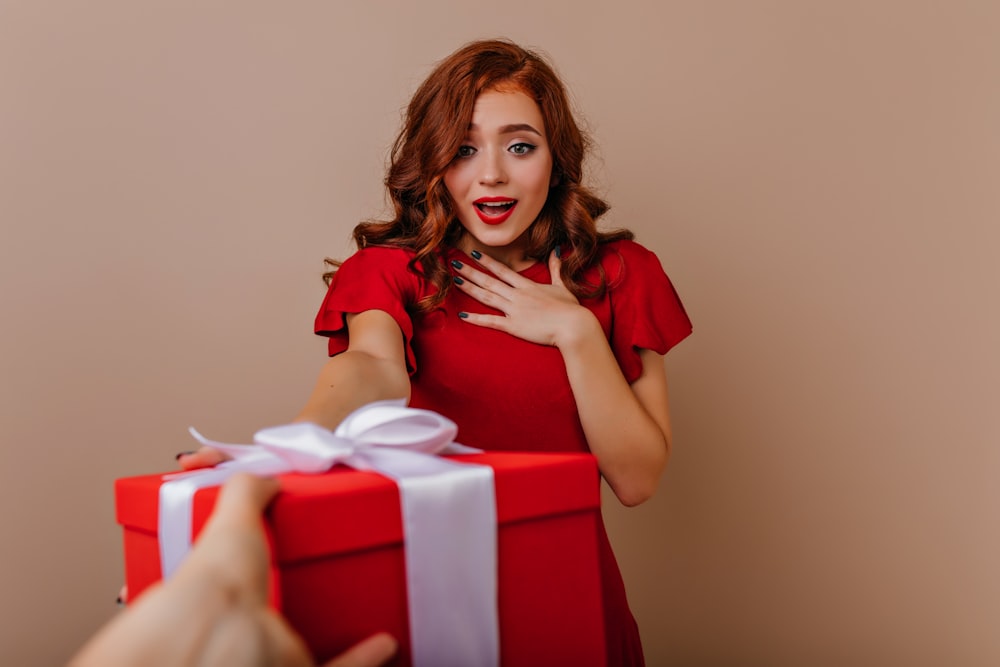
(819,178)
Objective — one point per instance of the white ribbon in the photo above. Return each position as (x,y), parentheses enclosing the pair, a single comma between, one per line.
(448,511)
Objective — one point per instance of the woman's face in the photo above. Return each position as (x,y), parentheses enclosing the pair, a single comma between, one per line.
(499,180)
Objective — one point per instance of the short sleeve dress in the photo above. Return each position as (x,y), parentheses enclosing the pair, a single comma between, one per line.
(507,394)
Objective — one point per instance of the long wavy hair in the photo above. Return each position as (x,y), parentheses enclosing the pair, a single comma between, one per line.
(435,125)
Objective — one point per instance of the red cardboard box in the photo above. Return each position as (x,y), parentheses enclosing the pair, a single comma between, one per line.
(338,561)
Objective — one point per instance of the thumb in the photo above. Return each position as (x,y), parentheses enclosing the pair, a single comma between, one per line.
(555,265)
(244,496)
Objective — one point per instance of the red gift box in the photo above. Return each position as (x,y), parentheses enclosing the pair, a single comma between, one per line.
(338,572)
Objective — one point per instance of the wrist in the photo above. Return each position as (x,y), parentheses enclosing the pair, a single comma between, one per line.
(579,327)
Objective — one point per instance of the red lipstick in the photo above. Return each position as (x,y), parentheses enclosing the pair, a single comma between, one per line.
(494,210)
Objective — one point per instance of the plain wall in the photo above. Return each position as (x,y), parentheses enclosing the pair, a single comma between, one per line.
(820,180)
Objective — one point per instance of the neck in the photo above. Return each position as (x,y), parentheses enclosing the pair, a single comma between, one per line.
(513,257)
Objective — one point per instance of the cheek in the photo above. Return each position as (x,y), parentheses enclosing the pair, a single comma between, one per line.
(541,178)
(455,181)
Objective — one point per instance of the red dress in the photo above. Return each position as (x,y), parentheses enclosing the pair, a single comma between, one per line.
(503,392)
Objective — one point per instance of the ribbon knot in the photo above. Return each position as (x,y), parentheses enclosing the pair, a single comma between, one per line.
(308,448)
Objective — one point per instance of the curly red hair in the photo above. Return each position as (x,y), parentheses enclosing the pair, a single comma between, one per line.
(434,128)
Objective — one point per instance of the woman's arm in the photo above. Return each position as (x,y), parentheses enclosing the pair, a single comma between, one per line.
(627,427)
(372,368)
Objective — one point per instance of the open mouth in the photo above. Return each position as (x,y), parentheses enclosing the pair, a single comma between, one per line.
(494,210)
(495,207)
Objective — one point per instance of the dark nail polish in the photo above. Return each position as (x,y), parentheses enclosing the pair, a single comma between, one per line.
(180,454)
(463,315)
(476,254)
(458,280)
(457,264)
(558,251)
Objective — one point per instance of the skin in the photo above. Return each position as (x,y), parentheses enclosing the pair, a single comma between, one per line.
(214,610)
(627,426)
(505,154)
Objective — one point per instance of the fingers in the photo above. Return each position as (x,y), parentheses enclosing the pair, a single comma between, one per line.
(498,322)
(468,278)
(206,457)
(485,295)
(506,277)
(482,287)
(371,652)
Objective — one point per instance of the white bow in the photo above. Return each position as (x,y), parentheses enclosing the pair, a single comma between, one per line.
(308,448)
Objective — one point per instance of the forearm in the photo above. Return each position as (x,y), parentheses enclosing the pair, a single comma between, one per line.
(148,633)
(373,368)
(350,380)
(631,446)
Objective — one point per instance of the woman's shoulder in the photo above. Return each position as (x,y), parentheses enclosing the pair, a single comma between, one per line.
(381,254)
(626,248)
(380,265)
(646,311)
(624,258)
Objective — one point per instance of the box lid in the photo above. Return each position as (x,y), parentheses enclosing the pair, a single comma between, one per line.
(346,510)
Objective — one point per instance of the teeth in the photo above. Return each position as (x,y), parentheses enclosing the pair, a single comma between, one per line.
(496,204)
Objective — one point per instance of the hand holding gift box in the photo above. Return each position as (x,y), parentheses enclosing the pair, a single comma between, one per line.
(215,610)
(340,570)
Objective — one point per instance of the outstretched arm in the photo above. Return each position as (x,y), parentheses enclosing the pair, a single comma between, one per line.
(627,427)
(372,368)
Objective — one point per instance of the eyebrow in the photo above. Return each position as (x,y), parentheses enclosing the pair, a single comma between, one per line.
(512,128)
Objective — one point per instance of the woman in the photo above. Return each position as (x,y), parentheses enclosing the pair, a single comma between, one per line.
(491,297)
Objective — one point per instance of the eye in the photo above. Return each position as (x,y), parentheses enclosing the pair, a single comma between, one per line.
(521,148)
(465,151)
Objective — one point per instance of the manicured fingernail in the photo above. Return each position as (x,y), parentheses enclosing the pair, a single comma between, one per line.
(558,251)
(180,454)
(458,280)
(476,254)
(457,264)
(463,315)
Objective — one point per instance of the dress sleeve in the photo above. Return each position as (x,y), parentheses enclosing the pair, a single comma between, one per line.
(647,313)
(374,278)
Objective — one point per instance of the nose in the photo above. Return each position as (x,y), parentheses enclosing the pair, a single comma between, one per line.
(492,169)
